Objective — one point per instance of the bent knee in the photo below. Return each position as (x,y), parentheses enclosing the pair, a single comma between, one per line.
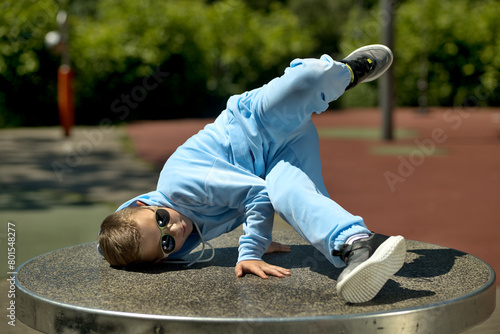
(324,75)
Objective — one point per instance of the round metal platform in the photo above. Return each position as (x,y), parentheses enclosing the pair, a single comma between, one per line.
(73,290)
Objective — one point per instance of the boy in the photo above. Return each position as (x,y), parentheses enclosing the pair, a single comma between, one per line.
(260,156)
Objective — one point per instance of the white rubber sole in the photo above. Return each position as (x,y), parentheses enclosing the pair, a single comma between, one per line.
(366,280)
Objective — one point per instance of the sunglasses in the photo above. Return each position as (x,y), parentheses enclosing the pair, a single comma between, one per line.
(167,242)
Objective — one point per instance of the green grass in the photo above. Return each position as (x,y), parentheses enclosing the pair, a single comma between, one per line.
(405,150)
(363,133)
(375,134)
(38,231)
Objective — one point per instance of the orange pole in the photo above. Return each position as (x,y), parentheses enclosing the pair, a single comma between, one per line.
(66,98)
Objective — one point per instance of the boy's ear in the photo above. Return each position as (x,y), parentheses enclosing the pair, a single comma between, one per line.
(139,203)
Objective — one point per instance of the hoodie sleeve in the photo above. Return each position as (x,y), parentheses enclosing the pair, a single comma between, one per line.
(223,194)
(230,186)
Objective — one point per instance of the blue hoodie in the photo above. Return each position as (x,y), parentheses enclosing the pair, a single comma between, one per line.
(216,179)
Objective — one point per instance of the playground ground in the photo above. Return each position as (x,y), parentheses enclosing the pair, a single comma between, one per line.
(438,181)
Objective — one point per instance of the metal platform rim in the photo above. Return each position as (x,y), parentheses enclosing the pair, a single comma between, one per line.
(429,307)
(471,297)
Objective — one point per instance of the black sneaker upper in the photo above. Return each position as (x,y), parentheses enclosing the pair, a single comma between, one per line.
(360,67)
(368,63)
(360,250)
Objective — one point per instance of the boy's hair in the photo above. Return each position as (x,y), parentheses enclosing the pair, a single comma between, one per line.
(120,238)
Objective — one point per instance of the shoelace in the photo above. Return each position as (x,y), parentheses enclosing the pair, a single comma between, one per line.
(197,260)
(362,67)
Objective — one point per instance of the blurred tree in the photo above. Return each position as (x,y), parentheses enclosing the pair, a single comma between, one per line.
(142,59)
(254,48)
(27,70)
(326,19)
(446,48)
(206,52)
(138,60)
(183,58)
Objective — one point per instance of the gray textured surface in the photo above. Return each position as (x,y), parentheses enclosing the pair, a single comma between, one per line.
(79,276)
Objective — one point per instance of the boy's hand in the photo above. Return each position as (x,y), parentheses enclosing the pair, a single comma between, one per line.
(276,247)
(259,268)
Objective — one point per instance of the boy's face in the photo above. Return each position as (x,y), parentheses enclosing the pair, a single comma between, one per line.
(179,228)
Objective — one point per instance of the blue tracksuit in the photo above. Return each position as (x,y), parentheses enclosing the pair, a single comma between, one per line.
(261,156)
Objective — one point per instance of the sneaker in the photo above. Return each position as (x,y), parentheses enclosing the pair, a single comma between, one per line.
(368,63)
(369,264)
